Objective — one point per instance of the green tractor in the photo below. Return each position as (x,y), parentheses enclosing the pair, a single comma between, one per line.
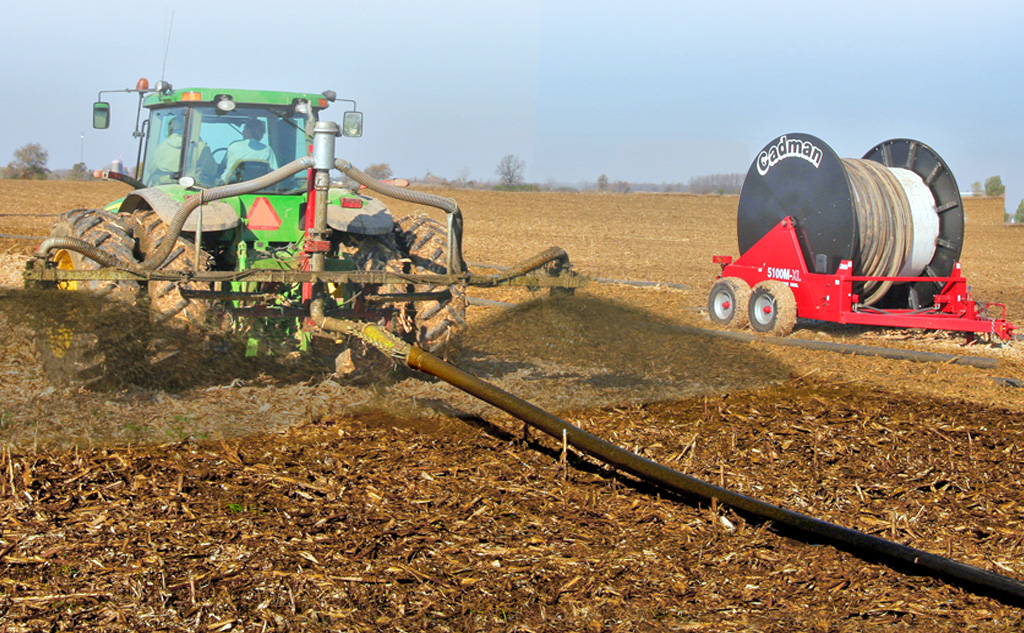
(235,225)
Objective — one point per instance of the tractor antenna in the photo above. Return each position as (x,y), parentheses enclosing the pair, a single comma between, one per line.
(167,45)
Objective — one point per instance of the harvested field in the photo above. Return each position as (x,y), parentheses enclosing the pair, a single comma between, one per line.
(224,495)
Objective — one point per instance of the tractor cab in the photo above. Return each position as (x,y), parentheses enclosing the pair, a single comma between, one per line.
(203,138)
(213,148)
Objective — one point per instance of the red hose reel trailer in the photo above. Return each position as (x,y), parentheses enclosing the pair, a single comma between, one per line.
(874,241)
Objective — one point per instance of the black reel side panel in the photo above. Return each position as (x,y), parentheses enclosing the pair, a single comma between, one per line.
(799,175)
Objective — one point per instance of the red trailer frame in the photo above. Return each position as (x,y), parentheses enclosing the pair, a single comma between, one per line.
(778,257)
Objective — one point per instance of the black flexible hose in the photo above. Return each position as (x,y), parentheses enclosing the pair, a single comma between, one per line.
(997,585)
(548,256)
(980,362)
(85,248)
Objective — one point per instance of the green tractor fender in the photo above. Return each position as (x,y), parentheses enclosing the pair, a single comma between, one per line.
(353,213)
(217,216)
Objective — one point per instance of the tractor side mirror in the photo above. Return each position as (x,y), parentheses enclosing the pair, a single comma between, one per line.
(352,124)
(101,115)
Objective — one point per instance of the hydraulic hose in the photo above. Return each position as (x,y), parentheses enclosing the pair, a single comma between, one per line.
(191,203)
(456,264)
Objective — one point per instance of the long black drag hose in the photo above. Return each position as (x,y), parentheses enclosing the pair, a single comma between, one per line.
(998,586)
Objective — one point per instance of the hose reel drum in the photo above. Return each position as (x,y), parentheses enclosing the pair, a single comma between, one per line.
(896,212)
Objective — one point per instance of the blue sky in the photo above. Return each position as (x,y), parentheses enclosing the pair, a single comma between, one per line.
(648,91)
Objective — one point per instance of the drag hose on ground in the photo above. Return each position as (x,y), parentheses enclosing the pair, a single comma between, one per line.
(894,554)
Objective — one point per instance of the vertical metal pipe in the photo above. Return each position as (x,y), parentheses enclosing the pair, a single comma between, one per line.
(324,134)
(321,185)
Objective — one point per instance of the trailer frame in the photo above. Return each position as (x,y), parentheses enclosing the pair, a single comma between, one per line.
(830,297)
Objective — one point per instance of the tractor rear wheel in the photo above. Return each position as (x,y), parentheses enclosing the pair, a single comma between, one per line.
(424,243)
(92,341)
(166,304)
(727,302)
(772,308)
(416,245)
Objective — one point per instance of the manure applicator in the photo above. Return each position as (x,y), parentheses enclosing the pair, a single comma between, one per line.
(872,241)
(235,226)
(286,245)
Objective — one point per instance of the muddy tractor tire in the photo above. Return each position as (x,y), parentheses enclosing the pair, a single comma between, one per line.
(424,245)
(92,339)
(166,304)
(416,245)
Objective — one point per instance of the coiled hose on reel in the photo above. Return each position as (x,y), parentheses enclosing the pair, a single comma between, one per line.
(896,212)
(884,225)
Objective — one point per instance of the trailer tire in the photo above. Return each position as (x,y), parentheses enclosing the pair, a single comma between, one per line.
(92,342)
(772,308)
(727,302)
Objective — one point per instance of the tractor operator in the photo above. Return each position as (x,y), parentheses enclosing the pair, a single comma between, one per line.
(249,149)
(167,158)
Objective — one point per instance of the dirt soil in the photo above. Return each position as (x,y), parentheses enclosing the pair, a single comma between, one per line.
(220,494)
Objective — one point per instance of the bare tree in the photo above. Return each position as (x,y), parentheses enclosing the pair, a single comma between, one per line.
(380,171)
(510,170)
(29,162)
(79,172)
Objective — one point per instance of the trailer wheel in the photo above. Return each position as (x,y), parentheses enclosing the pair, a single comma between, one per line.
(166,304)
(424,242)
(772,308)
(727,302)
(94,341)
